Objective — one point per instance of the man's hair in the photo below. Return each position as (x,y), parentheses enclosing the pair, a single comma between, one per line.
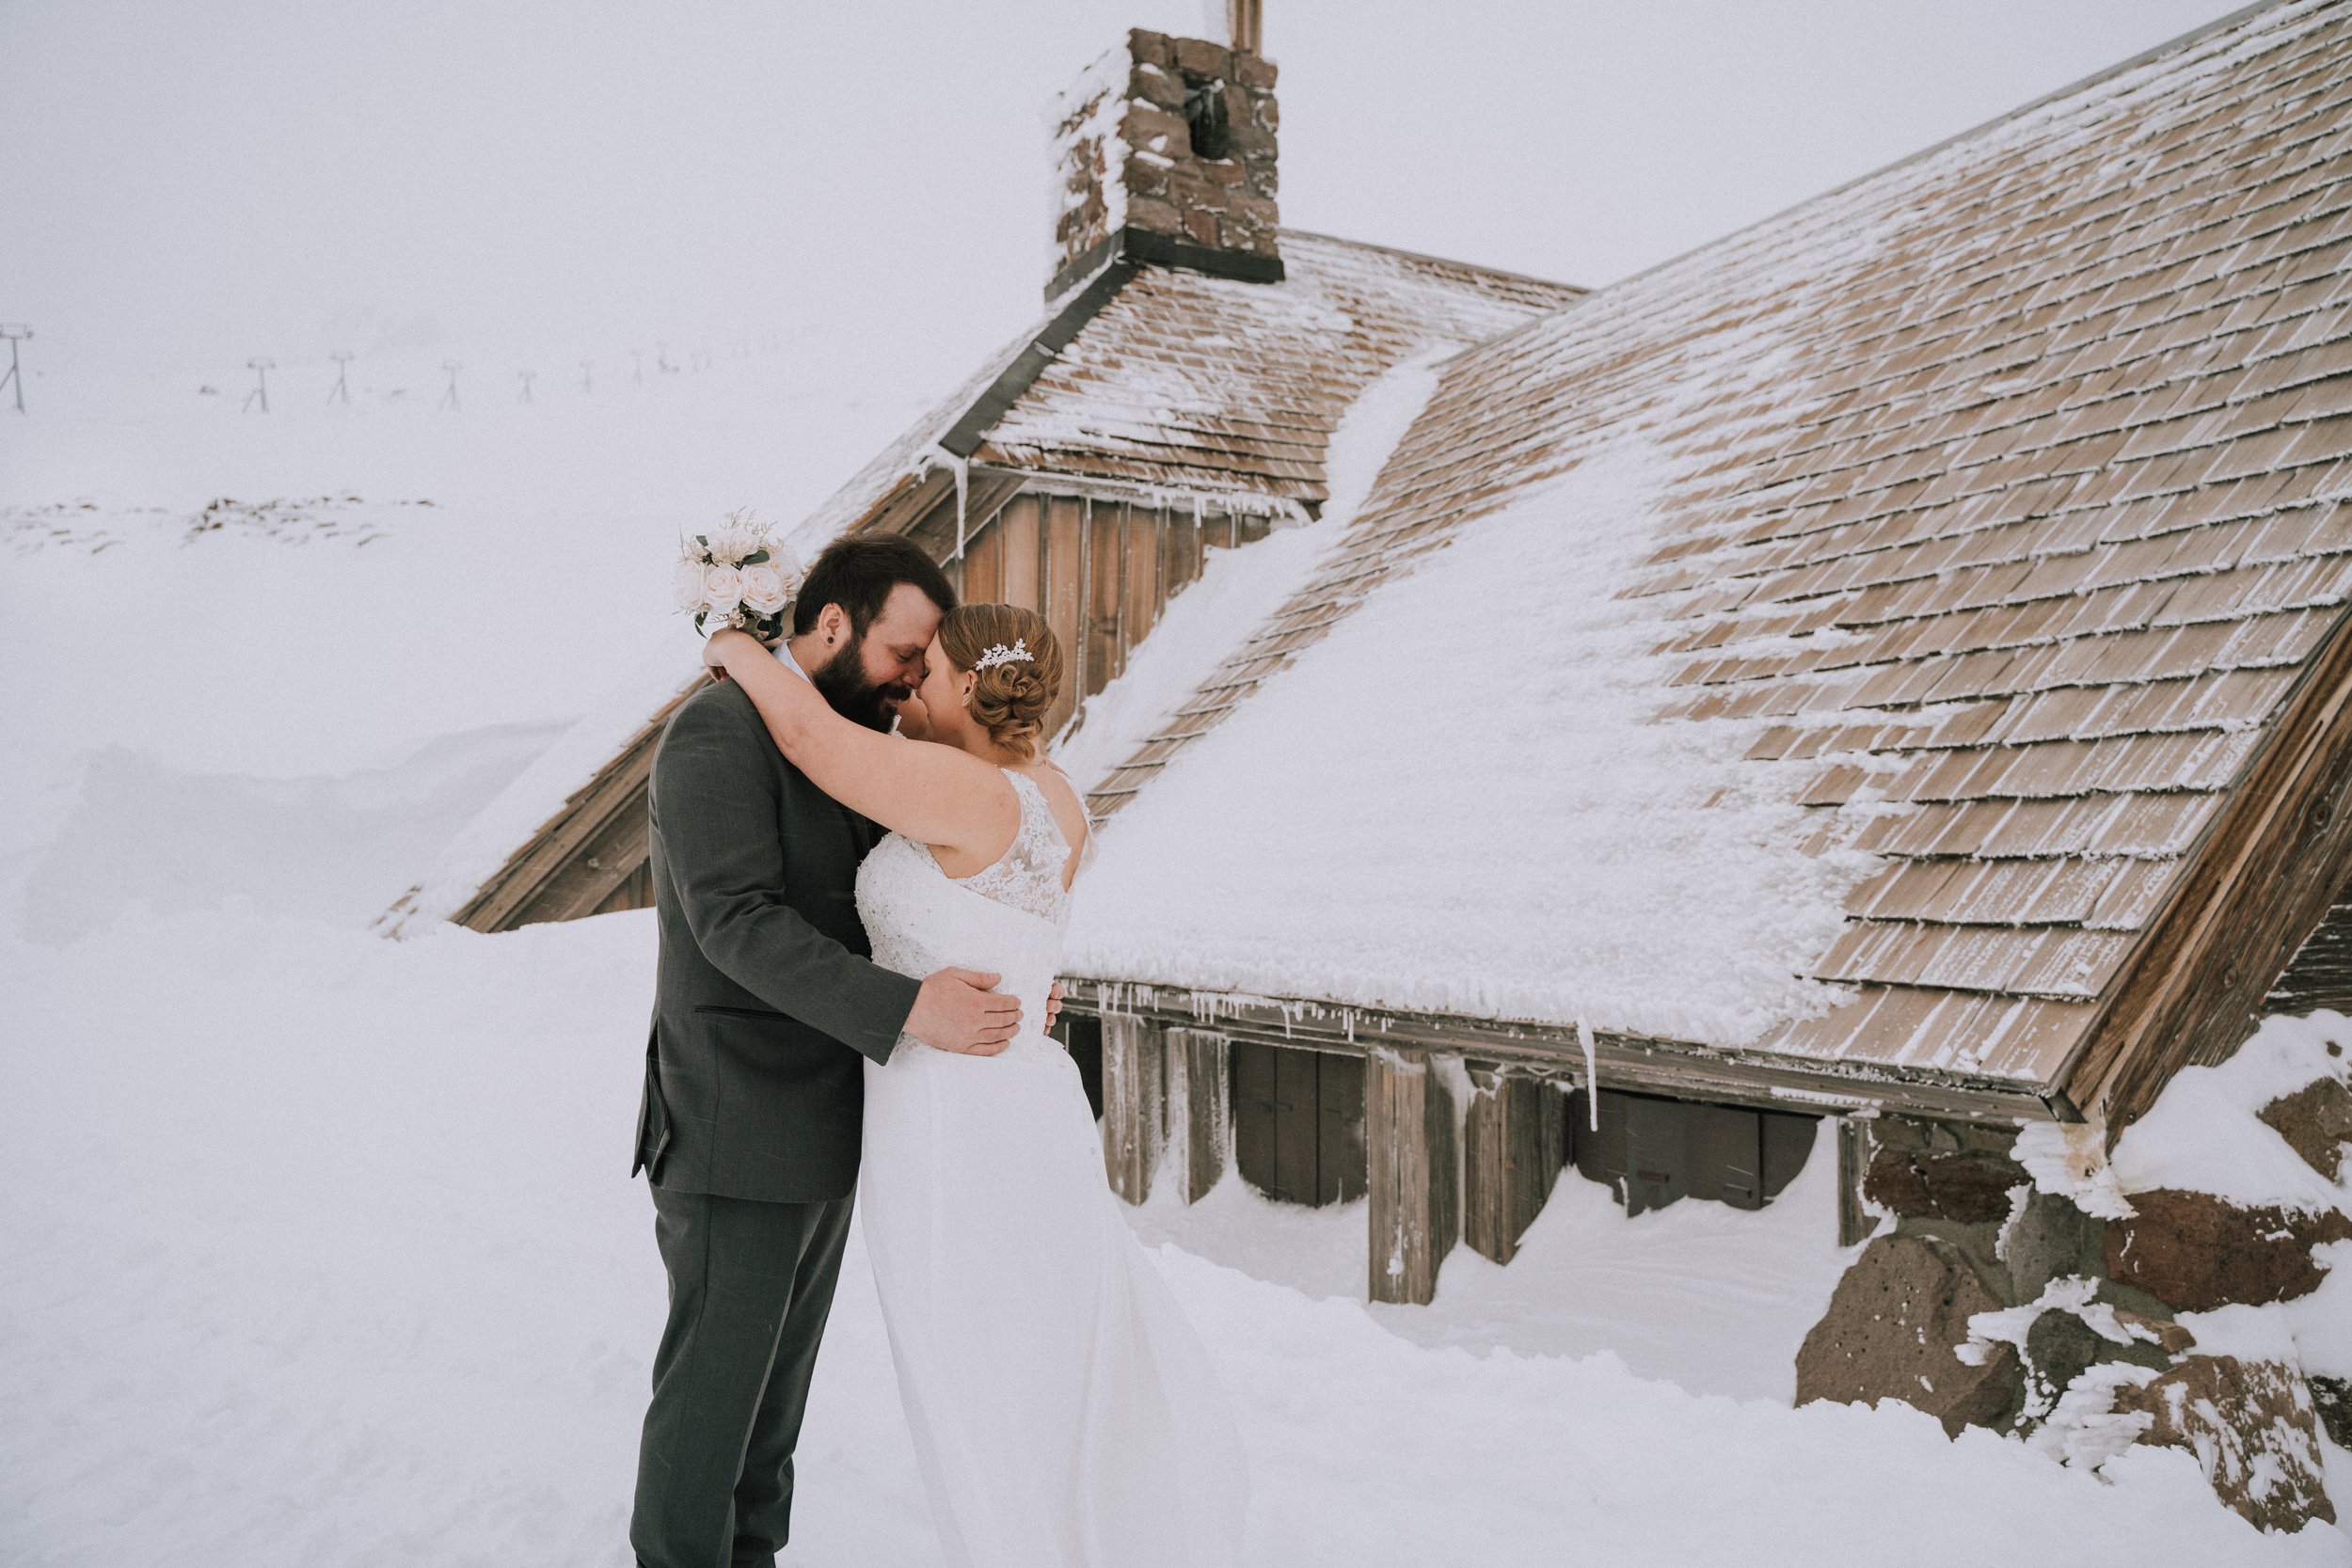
(858,574)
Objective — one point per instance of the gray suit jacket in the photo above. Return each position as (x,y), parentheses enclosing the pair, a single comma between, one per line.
(767,996)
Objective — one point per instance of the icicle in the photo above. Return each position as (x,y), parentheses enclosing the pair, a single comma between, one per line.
(1592,1073)
(962,470)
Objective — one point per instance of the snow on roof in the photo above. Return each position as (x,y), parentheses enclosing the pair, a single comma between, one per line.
(541,790)
(1977,516)
(1187,383)
(1175,381)
(1239,588)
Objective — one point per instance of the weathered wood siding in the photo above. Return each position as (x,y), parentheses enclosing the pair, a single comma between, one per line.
(1101,572)
(2321,972)
(1416,1175)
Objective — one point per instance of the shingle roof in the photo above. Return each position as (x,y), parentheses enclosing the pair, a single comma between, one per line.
(1190,383)
(2012,489)
(1153,378)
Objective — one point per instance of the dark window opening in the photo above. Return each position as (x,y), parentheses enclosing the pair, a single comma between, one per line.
(1653,1152)
(1082,1038)
(1204,112)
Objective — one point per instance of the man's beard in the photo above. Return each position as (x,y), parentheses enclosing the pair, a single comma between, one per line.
(841,680)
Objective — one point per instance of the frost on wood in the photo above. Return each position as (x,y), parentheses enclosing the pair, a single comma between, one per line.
(1469,810)
(1239,588)
(483,844)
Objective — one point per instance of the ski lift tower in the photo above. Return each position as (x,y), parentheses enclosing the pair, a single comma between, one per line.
(342,378)
(261,368)
(15,332)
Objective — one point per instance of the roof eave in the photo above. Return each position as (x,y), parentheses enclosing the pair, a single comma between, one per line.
(1677,1069)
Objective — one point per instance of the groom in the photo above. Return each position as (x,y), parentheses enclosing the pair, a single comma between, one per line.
(765,1002)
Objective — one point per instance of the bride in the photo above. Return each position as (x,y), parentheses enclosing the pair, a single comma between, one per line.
(1064,1414)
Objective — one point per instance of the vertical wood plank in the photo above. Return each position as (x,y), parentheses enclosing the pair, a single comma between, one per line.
(1725,1146)
(1065,582)
(1139,596)
(1415,1212)
(1106,576)
(1021,531)
(984,566)
(1297,1081)
(1181,537)
(1199,1111)
(1854,1223)
(1253,1101)
(1339,1129)
(1134,1078)
(1514,1142)
(1787,1144)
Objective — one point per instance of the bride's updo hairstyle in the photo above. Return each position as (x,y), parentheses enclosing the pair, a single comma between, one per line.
(1011,697)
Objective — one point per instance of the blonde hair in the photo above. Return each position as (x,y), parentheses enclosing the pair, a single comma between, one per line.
(1009,700)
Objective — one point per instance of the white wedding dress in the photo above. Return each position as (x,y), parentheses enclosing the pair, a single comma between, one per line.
(1065,1416)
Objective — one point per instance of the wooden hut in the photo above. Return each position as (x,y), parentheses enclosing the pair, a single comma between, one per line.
(1994,530)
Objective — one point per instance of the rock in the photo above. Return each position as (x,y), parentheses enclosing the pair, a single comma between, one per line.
(1890,1330)
(2252,1428)
(2332,1397)
(2195,1252)
(2317,1121)
(1200,57)
(2059,1348)
(2061,1345)
(2048,1238)
(2170,1338)
(1971,1187)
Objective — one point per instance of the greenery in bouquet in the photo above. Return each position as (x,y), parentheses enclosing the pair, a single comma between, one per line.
(737,576)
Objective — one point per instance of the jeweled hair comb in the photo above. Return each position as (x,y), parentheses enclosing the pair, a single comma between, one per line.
(998,654)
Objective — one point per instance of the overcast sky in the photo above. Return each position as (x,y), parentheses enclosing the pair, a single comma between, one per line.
(188,185)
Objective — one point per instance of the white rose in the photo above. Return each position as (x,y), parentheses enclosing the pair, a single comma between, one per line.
(732,544)
(763,589)
(723,588)
(687,587)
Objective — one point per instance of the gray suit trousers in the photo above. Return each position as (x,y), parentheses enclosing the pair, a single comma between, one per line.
(751,1284)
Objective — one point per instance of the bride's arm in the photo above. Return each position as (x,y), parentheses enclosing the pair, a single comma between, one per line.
(934,794)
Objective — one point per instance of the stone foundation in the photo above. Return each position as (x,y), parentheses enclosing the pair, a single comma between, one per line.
(2074,1315)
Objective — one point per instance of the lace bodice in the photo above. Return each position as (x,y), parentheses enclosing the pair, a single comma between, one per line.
(1006,919)
(1028,875)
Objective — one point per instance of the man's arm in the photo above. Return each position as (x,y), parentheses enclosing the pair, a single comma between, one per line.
(714,785)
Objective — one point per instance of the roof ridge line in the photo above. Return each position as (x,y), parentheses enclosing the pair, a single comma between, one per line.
(1439,260)
(2172,45)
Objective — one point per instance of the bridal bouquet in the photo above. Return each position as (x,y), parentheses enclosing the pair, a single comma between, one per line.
(739,576)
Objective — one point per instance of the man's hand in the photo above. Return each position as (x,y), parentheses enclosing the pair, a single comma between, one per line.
(1053,1007)
(960,1010)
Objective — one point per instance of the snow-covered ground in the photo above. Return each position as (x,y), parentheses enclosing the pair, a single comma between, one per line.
(320,1247)
(321,1252)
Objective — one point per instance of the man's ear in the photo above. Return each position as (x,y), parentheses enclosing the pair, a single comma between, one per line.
(833,623)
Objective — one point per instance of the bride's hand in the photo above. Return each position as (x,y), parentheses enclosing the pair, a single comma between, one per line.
(724,641)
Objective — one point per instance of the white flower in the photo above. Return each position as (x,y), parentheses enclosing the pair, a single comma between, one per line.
(723,588)
(732,543)
(763,589)
(687,587)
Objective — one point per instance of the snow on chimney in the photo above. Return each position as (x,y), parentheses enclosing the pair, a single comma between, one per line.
(1166,153)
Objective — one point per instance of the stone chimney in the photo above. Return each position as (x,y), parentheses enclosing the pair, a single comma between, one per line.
(1165,151)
